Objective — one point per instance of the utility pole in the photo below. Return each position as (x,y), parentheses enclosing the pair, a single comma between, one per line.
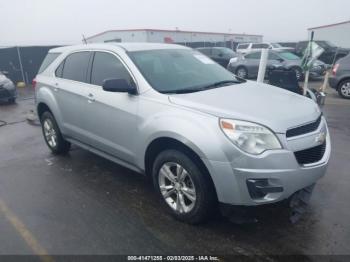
(20,64)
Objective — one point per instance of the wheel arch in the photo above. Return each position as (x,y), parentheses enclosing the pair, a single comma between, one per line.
(164,143)
(341,81)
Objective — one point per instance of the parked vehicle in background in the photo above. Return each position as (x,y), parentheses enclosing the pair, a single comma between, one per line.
(248,47)
(8,91)
(332,52)
(221,55)
(247,65)
(340,78)
(290,45)
(201,134)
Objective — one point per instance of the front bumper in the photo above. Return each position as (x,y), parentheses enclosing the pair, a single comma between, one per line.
(318,71)
(278,167)
(6,94)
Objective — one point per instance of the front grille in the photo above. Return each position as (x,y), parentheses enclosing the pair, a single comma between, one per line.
(310,155)
(4,92)
(300,130)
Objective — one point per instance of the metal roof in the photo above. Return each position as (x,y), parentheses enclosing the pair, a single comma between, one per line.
(330,25)
(171,31)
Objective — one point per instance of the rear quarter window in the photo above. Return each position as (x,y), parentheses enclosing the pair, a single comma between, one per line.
(50,57)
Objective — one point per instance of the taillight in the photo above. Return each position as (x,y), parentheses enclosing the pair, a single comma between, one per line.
(335,68)
(34,83)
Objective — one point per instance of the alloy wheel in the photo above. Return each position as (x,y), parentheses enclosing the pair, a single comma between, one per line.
(50,133)
(345,89)
(177,187)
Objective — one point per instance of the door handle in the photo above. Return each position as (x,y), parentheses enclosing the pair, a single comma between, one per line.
(56,88)
(91,98)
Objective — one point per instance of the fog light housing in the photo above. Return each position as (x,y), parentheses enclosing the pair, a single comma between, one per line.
(259,188)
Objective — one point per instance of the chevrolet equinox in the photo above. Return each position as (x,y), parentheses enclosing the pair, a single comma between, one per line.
(203,135)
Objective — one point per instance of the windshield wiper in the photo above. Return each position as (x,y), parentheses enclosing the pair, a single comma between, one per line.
(220,84)
(202,88)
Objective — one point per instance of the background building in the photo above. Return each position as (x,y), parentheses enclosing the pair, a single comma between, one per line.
(339,33)
(189,38)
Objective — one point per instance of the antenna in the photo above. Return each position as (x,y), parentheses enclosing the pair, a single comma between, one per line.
(84,39)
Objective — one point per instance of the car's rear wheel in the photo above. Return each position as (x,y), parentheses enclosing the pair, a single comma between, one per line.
(186,192)
(242,72)
(344,89)
(52,134)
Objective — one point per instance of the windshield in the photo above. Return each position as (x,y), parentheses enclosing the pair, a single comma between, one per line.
(325,44)
(288,56)
(228,51)
(172,70)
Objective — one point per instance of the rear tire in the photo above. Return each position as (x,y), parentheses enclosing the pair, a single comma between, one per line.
(187,193)
(52,134)
(344,89)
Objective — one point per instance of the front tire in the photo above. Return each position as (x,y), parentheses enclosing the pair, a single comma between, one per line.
(344,89)
(186,192)
(52,134)
(242,72)
(298,73)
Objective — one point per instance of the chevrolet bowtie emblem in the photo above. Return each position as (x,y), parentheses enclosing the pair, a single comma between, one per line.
(321,137)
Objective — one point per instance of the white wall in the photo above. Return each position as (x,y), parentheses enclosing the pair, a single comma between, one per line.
(337,34)
(124,36)
(160,36)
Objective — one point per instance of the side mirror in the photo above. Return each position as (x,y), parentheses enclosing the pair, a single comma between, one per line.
(220,55)
(118,85)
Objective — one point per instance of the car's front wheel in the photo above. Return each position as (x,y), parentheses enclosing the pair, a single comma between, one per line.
(344,89)
(186,191)
(52,134)
(242,72)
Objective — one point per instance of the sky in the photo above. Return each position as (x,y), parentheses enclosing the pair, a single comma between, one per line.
(57,22)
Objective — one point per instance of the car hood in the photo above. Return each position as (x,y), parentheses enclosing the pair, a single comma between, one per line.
(271,106)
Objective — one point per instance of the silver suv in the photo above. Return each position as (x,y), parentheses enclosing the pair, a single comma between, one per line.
(203,135)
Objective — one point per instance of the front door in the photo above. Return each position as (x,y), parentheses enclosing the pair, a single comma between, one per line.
(112,116)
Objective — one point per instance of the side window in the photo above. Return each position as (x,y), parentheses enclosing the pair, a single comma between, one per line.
(50,57)
(243,46)
(107,66)
(259,46)
(59,70)
(255,55)
(75,66)
(273,56)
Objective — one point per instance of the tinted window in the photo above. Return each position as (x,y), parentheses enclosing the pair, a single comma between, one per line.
(107,66)
(75,66)
(50,57)
(205,51)
(257,46)
(273,56)
(255,55)
(59,70)
(289,56)
(243,46)
(217,51)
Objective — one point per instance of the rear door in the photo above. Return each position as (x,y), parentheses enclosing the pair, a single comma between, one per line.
(71,90)
(112,116)
(252,61)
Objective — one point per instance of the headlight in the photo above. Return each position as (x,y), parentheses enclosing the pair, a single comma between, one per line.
(250,137)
